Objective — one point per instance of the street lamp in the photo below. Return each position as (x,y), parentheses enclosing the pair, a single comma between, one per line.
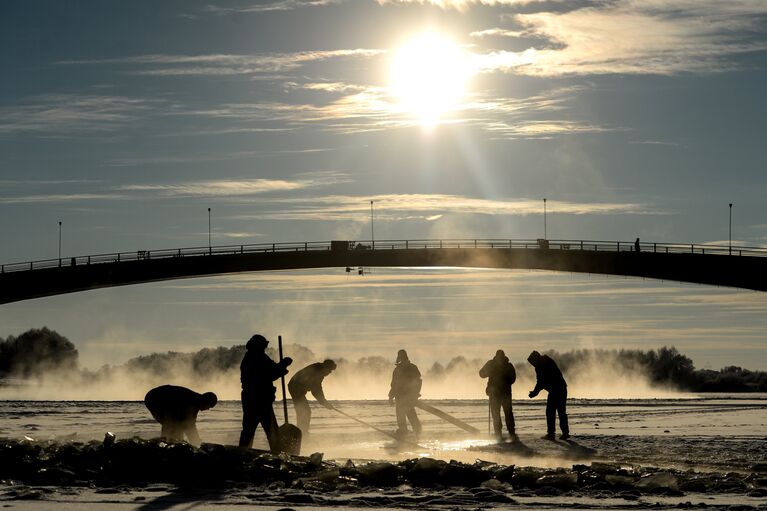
(730,228)
(59,241)
(372,230)
(210,247)
(544,219)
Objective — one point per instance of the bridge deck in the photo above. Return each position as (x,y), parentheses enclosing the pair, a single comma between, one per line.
(743,267)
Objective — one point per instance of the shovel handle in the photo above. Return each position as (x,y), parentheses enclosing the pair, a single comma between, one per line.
(284,395)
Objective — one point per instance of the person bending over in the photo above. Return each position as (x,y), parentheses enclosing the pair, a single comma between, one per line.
(176,409)
(309,379)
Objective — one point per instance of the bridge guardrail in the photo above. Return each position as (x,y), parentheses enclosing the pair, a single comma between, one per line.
(539,244)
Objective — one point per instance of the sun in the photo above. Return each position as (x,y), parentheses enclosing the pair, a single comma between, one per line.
(428,77)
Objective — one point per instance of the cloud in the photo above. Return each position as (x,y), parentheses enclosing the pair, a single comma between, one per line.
(465,4)
(497,32)
(636,37)
(225,64)
(353,108)
(280,5)
(66,113)
(60,197)
(430,206)
(222,188)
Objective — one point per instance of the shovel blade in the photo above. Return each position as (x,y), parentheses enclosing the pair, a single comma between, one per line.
(289,439)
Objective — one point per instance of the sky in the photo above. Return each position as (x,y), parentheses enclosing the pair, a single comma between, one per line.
(126,121)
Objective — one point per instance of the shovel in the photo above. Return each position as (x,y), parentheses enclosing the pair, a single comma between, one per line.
(387,433)
(289,435)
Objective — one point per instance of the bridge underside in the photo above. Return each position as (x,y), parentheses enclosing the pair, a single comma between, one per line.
(718,270)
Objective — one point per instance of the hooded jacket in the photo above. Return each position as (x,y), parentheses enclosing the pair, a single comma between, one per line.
(500,375)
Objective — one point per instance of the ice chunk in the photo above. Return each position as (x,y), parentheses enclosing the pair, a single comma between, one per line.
(659,480)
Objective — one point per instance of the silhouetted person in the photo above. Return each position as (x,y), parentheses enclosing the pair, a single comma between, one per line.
(309,379)
(636,245)
(176,409)
(405,391)
(500,376)
(550,378)
(257,372)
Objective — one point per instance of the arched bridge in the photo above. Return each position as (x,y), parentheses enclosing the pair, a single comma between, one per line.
(742,267)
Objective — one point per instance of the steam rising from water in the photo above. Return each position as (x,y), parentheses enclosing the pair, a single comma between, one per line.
(593,374)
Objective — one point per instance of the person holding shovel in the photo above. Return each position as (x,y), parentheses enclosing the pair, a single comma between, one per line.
(404,393)
(309,379)
(500,376)
(257,372)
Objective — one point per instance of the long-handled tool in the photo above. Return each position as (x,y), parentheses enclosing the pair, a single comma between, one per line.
(449,418)
(288,434)
(383,431)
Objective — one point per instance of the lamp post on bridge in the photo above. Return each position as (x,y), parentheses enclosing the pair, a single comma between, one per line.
(372,231)
(730,244)
(59,239)
(210,246)
(544,219)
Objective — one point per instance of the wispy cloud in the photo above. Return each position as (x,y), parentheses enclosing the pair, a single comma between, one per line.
(60,197)
(635,37)
(354,108)
(222,189)
(67,113)
(429,206)
(280,5)
(225,64)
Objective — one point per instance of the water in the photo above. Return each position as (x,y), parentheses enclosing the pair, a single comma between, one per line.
(721,431)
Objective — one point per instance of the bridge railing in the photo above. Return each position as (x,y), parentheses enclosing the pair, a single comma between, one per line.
(538,244)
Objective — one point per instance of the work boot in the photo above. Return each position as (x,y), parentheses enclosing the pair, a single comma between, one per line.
(513,438)
(564,436)
(549,436)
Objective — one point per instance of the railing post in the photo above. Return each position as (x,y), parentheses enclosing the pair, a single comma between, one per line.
(619,246)
(667,250)
(509,243)
(654,247)
(475,243)
(274,247)
(118,257)
(440,244)
(89,260)
(242,249)
(306,246)
(30,264)
(692,249)
(406,244)
(581,245)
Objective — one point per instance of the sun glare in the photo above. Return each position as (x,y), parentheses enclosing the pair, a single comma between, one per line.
(428,77)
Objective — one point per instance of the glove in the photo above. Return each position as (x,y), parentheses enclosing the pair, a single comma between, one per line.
(287,361)
(532,394)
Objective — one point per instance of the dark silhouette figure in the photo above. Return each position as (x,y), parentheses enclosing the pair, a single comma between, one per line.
(500,376)
(405,391)
(257,372)
(176,409)
(550,378)
(636,246)
(309,379)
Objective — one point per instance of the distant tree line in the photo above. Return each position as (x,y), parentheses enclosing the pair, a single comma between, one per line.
(41,351)
(36,352)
